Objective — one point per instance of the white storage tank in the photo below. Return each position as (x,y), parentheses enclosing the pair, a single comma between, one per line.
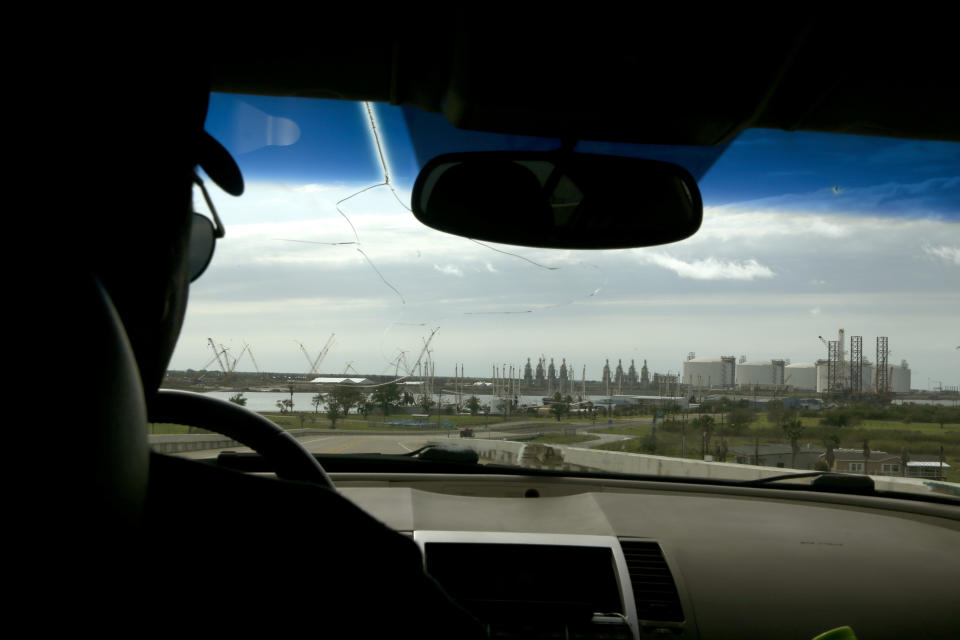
(709,373)
(802,376)
(867,375)
(900,378)
(760,373)
(822,372)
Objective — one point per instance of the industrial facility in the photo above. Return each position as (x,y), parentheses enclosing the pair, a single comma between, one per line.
(844,370)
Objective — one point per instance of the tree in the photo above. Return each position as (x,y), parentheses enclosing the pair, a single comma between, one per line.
(386,396)
(904,459)
(317,400)
(866,455)
(721,452)
(559,410)
(704,424)
(740,420)
(793,429)
(776,413)
(340,400)
(831,440)
(239,399)
(473,405)
(334,413)
(366,408)
(839,418)
(425,403)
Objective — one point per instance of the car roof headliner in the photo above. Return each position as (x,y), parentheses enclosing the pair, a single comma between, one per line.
(695,84)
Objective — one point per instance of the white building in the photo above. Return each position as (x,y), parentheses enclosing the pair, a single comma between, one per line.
(709,373)
(802,376)
(760,373)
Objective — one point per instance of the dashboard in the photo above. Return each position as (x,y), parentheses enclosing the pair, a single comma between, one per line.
(597,558)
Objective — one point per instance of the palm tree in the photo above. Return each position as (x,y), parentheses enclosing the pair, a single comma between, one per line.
(793,429)
(830,442)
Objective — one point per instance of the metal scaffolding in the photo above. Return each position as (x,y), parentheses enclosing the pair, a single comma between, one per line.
(834,367)
(883,368)
(856,364)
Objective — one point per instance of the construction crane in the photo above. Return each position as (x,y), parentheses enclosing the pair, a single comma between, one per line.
(247,348)
(315,363)
(222,351)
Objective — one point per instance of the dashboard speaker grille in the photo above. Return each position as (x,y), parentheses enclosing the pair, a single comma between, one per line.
(654,589)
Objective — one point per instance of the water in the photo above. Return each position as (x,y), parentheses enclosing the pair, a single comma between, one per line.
(955,402)
(263,401)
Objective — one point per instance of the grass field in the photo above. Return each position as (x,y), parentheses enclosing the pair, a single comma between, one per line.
(883,435)
(560,438)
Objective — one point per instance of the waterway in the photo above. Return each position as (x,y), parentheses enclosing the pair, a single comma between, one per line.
(263,401)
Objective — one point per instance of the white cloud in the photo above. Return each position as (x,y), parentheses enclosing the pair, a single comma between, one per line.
(950,254)
(313,188)
(282,273)
(449,269)
(710,268)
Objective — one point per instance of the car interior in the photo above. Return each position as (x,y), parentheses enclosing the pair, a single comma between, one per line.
(336,549)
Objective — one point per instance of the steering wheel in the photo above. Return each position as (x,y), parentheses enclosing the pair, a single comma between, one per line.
(290,459)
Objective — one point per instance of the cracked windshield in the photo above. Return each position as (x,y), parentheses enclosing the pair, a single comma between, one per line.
(810,324)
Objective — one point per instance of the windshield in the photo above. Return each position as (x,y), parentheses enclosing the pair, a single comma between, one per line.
(809,324)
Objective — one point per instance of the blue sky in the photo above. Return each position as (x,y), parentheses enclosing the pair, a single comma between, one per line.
(803,233)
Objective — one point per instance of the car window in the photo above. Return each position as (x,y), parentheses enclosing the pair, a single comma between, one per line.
(330,309)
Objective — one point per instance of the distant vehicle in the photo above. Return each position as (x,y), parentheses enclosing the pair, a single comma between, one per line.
(466,433)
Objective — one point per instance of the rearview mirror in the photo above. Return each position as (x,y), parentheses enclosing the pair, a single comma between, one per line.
(558,199)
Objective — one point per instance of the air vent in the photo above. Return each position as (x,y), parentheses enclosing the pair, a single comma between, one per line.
(654,590)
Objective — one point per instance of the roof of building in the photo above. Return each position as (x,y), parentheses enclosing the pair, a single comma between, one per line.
(342,381)
(856,455)
(771,450)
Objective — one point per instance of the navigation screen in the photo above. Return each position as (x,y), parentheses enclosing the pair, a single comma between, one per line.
(510,581)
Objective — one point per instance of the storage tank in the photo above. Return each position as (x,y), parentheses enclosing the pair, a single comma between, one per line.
(900,378)
(802,376)
(760,373)
(822,376)
(709,373)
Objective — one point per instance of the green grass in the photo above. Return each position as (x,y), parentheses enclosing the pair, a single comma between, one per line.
(887,436)
(896,425)
(559,438)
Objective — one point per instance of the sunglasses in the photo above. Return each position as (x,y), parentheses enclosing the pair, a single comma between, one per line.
(203,236)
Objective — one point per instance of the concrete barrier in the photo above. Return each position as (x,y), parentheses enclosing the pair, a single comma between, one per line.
(564,457)
(175,443)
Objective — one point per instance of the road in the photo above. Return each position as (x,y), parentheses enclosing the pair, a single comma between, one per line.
(404,442)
